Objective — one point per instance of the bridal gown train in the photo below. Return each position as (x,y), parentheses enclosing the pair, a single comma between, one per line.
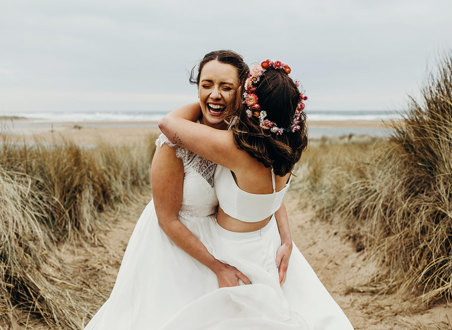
(159,286)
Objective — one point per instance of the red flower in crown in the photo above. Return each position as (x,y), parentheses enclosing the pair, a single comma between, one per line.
(287,69)
(266,64)
(255,106)
(251,99)
(277,65)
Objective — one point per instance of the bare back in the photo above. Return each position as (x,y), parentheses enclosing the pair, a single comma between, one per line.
(252,177)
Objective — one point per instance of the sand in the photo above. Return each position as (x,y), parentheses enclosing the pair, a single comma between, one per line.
(118,133)
(334,259)
(348,124)
(123,132)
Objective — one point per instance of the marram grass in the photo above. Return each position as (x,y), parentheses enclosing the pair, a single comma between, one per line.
(394,197)
(51,194)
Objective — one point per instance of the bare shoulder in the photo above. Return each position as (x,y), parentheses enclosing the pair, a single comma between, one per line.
(165,160)
(228,154)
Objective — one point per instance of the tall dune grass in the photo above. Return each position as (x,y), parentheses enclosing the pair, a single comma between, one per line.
(394,197)
(24,256)
(51,194)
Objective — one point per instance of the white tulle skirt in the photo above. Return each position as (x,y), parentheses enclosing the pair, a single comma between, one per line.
(159,286)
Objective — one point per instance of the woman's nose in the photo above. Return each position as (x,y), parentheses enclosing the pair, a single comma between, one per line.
(216,93)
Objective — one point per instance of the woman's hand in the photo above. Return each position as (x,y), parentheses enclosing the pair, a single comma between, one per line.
(228,275)
(282,260)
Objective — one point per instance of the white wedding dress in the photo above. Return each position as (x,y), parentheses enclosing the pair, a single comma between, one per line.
(159,286)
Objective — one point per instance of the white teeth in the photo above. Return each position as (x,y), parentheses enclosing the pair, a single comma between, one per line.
(216,106)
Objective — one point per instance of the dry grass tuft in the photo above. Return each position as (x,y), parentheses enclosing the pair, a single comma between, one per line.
(394,198)
(51,194)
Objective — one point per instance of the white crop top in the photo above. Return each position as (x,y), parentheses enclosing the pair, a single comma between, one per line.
(243,205)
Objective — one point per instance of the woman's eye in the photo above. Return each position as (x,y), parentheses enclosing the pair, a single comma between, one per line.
(227,89)
(205,86)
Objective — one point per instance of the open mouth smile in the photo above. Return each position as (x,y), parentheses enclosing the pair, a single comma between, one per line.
(216,110)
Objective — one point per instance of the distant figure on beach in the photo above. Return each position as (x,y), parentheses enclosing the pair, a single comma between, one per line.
(187,266)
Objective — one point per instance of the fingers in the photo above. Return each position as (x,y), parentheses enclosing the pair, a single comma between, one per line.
(282,276)
(243,278)
(228,282)
(231,276)
(282,271)
(279,257)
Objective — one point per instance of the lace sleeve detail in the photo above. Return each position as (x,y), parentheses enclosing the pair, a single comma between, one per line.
(203,166)
(162,139)
(180,152)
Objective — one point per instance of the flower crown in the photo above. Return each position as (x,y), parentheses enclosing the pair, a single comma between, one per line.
(254,109)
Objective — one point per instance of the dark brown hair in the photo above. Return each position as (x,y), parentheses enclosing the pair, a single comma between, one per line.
(278,95)
(226,57)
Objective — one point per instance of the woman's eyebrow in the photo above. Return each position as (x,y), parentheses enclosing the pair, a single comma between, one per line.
(227,83)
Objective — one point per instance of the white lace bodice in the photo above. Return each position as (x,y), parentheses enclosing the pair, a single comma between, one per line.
(199,198)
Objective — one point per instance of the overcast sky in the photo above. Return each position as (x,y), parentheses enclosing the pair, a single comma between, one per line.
(136,55)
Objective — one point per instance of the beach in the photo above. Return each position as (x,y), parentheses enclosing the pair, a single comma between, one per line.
(124,132)
(367,84)
(341,266)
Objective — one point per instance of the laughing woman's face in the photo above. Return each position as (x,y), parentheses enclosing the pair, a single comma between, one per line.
(217,89)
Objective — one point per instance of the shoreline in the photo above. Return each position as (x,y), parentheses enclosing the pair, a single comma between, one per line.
(127,132)
(13,118)
(349,123)
(30,123)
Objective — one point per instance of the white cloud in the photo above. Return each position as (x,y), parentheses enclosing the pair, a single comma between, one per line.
(375,51)
(33,100)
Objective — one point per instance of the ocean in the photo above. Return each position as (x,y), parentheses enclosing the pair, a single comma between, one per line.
(132,118)
(135,116)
